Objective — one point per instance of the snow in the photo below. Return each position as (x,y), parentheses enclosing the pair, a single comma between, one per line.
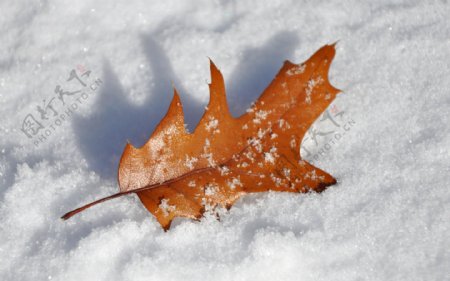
(211,189)
(212,125)
(165,207)
(234,182)
(386,219)
(190,161)
(271,155)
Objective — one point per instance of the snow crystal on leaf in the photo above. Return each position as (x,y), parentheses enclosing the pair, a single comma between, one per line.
(271,155)
(212,125)
(276,180)
(190,161)
(298,69)
(224,170)
(309,88)
(165,207)
(262,114)
(234,183)
(211,189)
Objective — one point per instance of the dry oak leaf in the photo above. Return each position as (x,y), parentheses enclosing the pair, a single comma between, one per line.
(181,174)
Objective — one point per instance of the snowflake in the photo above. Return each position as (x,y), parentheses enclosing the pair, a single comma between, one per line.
(211,189)
(224,170)
(275,180)
(165,207)
(212,125)
(298,69)
(190,161)
(256,143)
(309,88)
(271,155)
(293,142)
(234,183)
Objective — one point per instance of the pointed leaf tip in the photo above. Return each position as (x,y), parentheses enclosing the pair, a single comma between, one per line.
(217,100)
(216,75)
(176,96)
(176,107)
(129,145)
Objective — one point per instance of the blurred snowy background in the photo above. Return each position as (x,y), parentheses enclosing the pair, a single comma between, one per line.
(388,218)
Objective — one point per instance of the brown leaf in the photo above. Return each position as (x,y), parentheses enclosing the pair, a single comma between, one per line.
(178,174)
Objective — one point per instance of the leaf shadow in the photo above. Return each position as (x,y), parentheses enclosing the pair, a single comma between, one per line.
(102,136)
(257,69)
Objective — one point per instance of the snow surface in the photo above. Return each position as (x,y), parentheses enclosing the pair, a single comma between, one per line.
(388,218)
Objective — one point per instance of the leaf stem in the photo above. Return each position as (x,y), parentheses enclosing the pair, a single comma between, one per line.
(152,186)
